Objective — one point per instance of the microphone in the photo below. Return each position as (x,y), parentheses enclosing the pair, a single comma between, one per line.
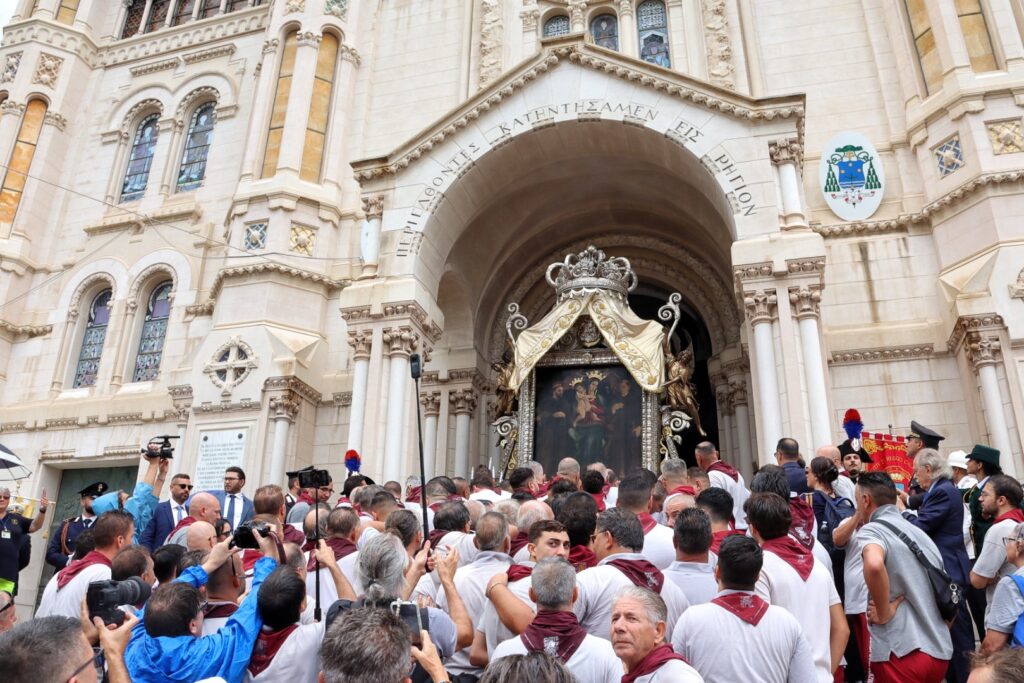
(414,366)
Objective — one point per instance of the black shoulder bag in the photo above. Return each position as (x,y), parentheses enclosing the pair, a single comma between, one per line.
(947,592)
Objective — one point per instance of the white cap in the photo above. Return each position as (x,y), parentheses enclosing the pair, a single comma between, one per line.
(958,459)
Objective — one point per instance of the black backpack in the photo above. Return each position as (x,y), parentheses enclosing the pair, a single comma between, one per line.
(837,510)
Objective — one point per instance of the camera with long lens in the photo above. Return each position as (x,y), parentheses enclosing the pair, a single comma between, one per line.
(244,536)
(104,598)
(310,478)
(160,446)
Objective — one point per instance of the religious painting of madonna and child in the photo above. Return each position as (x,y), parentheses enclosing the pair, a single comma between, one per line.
(591,414)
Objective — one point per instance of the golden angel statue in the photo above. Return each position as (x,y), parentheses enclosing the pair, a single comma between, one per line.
(506,398)
(678,389)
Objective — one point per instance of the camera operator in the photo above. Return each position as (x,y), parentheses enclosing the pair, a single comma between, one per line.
(269,500)
(141,505)
(167,645)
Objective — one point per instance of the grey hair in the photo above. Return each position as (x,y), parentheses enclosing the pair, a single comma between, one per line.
(364,496)
(1018,532)
(4,489)
(508,508)
(553,580)
(568,466)
(43,649)
(365,645)
(382,565)
(538,469)
(674,468)
(309,521)
(938,463)
(537,667)
(624,527)
(491,531)
(654,605)
(476,508)
(531,512)
(412,481)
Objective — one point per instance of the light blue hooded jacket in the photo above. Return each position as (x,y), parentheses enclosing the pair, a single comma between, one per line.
(141,506)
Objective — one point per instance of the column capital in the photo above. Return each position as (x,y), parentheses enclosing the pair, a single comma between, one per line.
(760,305)
(401,341)
(284,406)
(738,393)
(309,38)
(431,402)
(373,206)
(576,9)
(786,151)
(983,349)
(806,301)
(967,324)
(463,401)
(722,397)
(361,342)
(625,8)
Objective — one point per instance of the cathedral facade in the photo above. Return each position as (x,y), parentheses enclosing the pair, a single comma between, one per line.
(234,221)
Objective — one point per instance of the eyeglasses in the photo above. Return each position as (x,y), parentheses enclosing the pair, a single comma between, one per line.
(1011,539)
(5,497)
(185,486)
(96,660)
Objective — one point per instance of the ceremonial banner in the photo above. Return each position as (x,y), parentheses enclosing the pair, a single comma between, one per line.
(889,454)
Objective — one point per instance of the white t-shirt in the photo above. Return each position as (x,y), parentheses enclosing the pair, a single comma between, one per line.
(298,660)
(593,662)
(658,547)
(495,632)
(737,489)
(672,672)
(349,566)
(809,601)
(845,488)
(67,601)
(991,562)
(462,542)
(695,579)
(213,624)
(471,583)
(726,649)
(600,586)
(489,495)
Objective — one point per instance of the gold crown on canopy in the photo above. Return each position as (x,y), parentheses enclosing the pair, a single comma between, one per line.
(589,270)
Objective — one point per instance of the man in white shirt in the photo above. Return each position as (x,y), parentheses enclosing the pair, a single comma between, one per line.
(285,651)
(342,527)
(636,497)
(618,541)
(224,586)
(694,569)
(64,592)
(723,476)
(492,543)
(557,631)
(236,506)
(738,636)
(791,577)
(1000,501)
(640,638)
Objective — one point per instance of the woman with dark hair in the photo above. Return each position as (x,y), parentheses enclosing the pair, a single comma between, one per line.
(830,510)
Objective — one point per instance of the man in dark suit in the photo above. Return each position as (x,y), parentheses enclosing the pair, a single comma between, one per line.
(919,437)
(168,513)
(235,507)
(787,453)
(62,545)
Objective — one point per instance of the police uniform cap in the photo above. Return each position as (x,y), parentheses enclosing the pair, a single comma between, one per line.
(95,489)
(929,437)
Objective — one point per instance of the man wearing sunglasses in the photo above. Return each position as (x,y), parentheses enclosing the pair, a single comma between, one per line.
(62,544)
(168,513)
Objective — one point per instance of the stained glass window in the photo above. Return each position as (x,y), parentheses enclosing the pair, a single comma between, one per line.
(210,7)
(141,160)
(281,97)
(197,147)
(21,163)
(924,44)
(154,329)
(605,31)
(556,26)
(319,109)
(92,341)
(183,12)
(652,26)
(157,15)
(66,11)
(133,18)
(236,5)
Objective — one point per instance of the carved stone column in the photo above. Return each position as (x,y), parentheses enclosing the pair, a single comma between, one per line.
(627,29)
(399,343)
(431,402)
(531,17)
(760,307)
(806,303)
(577,10)
(181,395)
(787,156)
(726,442)
(738,397)
(361,342)
(463,403)
(283,409)
(984,352)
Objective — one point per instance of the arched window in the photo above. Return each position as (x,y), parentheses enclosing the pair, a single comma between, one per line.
(157,15)
(136,177)
(154,329)
(66,11)
(281,96)
(92,341)
(557,25)
(210,7)
(319,109)
(184,12)
(197,147)
(652,26)
(604,29)
(20,163)
(133,18)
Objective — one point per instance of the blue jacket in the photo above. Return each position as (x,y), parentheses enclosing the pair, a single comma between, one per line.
(941,516)
(226,653)
(159,527)
(797,477)
(141,506)
(55,554)
(247,507)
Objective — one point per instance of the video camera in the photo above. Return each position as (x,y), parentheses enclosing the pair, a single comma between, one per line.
(165,449)
(244,536)
(310,478)
(104,598)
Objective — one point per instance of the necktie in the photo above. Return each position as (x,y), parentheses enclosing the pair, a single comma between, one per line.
(88,522)
(178,510)
(231,510)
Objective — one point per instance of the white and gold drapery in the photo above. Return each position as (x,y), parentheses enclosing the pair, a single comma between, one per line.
(636,342)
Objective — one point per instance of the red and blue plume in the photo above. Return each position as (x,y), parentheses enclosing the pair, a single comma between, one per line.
(352,460)
(852,424)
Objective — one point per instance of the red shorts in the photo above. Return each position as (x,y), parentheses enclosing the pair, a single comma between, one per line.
(913,667)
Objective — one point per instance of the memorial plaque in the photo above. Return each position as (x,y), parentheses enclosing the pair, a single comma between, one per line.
(218,450)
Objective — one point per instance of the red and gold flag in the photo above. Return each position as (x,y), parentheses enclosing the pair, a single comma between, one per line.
(889,454)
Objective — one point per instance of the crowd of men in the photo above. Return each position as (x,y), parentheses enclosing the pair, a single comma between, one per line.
(812,572)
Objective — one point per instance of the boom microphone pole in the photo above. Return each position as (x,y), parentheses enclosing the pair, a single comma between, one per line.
(417,370)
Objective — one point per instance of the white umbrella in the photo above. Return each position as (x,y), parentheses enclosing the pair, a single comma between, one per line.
(11,466)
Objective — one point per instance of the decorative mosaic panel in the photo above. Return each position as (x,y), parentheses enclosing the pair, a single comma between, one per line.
(255,236)
(1006,136)
(338,8)
(949,156)
(303,240)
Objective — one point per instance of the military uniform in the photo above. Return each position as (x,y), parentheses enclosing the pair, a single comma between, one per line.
(62,544)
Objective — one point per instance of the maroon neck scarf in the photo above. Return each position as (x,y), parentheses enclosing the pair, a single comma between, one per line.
(220,610)
(793,553)
(642,573)
(599,499)
(519,542)
(563,627)
(304,497)
(686,490)
(655,659)
(519,571)
(747,606)
(249,559)
(647,522)
(184,523)
(719,466)
(802,526)
(435,537)
(718,536)
(266,647)
(1015,514)
(581,557)
(69,572)
(293,535)
(412,494)
(342,547)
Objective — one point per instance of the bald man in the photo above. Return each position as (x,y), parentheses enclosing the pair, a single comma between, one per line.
(200,536)
(203,507)
(843,485)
